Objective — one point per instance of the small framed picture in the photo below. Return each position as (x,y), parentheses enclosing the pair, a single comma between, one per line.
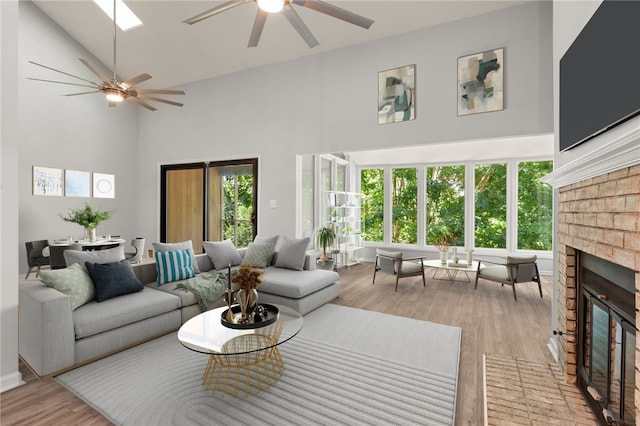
(104,185)
(397,94)
(481,82)
(47,181)
(77,183)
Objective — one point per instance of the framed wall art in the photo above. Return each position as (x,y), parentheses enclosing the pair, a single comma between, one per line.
(77,183)
(104,185)
(47,181)
(397,94)
(481,82)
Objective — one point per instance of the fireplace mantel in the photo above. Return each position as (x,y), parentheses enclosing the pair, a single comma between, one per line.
(621,149)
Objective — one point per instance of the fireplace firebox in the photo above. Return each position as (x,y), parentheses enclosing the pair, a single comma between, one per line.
(606,338)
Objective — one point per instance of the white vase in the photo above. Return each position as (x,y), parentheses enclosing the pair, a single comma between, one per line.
(91,234)
(443,257)
(469,257)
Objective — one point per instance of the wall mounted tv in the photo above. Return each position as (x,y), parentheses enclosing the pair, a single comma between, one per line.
(600,74)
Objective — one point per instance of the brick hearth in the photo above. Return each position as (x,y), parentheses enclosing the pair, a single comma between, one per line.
(599,216)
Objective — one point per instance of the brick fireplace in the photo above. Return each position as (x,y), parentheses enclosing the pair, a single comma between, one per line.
(600,216)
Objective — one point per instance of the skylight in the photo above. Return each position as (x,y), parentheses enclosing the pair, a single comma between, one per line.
(125,18)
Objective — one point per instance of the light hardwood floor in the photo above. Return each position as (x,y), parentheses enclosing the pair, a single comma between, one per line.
(491,321)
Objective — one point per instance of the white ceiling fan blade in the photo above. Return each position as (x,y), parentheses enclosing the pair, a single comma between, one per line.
(218,9)
(159,92)
(166,101)
(258,26)
(64,82)
(95,71)
(82,93)
(137,79)
(295,20)
(65,73)
(142,104)
(336,12)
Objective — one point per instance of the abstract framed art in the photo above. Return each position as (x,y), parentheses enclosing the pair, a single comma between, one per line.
(481,82)
(47,181)
(397,94)
(77,183)
(104,185)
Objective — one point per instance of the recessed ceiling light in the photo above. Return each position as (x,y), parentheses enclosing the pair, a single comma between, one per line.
(125,18)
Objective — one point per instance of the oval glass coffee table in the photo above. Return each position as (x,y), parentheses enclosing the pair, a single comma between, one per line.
(241,361)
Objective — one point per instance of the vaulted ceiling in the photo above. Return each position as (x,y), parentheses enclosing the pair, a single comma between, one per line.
(176,53)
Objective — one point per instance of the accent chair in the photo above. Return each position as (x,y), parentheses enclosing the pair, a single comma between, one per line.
(392,262)
(511,271)
(35,258)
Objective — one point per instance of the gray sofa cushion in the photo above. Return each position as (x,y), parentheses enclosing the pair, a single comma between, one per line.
(94,318)
(295,284)
(115,254)
(186,297)
(291,254)
(222,253)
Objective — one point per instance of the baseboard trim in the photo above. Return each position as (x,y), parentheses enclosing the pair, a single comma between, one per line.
(11,381)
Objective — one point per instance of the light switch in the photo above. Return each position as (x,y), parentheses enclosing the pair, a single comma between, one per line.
(273,204)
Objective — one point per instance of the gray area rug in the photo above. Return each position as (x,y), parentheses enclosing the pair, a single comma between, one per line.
(347,366)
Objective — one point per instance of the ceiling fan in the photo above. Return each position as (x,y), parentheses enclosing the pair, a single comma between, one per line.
(114,90)
(274,6)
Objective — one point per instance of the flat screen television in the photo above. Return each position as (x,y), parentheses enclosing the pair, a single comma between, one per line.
(600,74)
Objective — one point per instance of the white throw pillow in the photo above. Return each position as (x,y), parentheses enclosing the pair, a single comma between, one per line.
(291,254)
(222,253)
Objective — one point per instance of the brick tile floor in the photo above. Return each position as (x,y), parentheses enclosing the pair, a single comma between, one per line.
(520,392)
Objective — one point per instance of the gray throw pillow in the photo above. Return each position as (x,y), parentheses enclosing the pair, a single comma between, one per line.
(73,281)
(179,246)
(222,253)
(115,254)
(291,254)
(259,239)
(257,255)
(113,279)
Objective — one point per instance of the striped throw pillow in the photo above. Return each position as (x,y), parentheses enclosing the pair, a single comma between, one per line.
(174,265)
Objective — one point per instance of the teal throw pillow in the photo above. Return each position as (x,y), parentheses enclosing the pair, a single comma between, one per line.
(113,279)
(174,265)
(73,281)
(257,255)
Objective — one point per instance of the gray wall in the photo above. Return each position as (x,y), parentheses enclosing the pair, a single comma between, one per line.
(327,103)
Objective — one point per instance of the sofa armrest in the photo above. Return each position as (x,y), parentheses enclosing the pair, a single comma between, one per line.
(310,259)
(46,338)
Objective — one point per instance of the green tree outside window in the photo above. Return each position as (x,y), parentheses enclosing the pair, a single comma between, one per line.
(445,204)
(404,228)
(372,188)
(535,206)
(491,205)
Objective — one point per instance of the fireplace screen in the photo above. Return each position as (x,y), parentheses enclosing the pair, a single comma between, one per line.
(607,341)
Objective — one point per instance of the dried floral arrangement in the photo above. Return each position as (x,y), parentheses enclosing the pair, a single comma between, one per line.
(248,278)
(442,243)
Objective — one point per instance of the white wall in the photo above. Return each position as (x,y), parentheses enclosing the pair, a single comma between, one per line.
(76,133)
(9,375)
(327,103)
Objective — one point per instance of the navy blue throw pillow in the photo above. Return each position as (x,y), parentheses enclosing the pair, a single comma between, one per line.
(113,279)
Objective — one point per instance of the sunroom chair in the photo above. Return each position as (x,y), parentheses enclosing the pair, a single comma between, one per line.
(35,258)
(511,271)
(393,263)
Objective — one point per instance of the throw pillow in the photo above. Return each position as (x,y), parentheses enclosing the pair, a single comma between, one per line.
(179,246)
(257,255)
(73,281)
(222,253)
(292,253)
(115,254)
(174,265)
(267,240)
(113,279)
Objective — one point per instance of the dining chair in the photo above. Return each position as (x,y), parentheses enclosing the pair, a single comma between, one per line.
(511,271)
(35,258)
(392,262)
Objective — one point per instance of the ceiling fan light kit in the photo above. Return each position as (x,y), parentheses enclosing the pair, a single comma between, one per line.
(285,6)
(114,90)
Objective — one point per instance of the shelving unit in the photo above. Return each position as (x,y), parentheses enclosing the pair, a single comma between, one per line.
(344,212)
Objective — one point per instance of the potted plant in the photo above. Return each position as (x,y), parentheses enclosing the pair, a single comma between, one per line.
(88,217)
(325,236)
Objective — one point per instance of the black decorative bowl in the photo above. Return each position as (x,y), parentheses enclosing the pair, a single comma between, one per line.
(264,314)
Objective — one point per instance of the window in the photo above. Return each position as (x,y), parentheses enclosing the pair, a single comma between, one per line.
(209,202)
(372,188)
(445,203)
(404,227)
(535,206)
(491,205)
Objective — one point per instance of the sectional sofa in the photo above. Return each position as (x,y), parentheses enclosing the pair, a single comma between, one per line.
(56,335)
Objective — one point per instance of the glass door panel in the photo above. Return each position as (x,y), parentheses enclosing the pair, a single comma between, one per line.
(600,348)
(629,383)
